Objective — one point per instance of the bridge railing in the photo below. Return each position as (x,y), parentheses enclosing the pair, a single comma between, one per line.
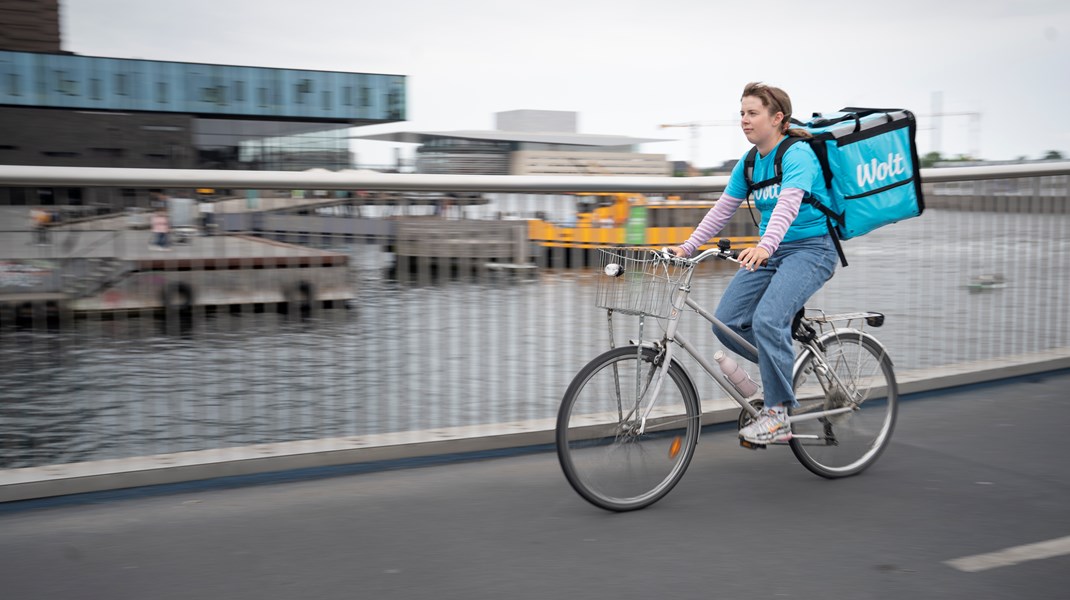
(457,347)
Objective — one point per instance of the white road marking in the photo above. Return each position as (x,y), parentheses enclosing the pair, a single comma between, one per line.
(1012,556)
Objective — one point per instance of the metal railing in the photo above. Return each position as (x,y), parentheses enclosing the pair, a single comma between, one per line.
(443,343)
(195,178)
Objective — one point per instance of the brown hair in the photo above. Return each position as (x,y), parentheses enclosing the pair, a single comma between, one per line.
(776,100)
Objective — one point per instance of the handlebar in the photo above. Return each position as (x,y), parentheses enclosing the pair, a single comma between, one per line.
(723,251)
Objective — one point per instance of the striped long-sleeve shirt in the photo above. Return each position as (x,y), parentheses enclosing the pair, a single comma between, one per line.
(785,211)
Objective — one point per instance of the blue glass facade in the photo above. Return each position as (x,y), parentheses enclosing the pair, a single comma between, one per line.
(114,84)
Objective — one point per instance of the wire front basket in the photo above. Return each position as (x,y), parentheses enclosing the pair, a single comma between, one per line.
(634,281)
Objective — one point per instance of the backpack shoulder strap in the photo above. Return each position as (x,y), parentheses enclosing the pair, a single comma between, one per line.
(752,156)
(778,159)
(748,168)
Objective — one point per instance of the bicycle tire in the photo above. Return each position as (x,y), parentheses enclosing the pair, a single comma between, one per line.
(847,443)
(601,454)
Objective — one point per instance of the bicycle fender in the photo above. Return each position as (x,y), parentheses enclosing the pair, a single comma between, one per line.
(831,335)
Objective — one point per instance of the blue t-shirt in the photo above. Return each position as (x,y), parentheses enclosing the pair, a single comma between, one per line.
(801,170)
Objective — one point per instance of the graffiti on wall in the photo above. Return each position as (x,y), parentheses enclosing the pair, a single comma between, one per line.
(25,275)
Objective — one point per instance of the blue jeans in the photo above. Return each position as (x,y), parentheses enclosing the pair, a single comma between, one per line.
(759,305)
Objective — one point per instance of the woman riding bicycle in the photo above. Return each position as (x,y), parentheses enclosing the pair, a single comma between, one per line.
(794,258)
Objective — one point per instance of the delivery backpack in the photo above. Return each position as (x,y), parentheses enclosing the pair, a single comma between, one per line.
(870,162)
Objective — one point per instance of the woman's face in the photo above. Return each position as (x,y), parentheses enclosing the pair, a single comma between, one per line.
(758,125)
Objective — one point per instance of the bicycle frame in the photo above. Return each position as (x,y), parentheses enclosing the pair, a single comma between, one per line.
(680,299)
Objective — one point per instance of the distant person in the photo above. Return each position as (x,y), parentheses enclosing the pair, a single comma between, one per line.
(159,200)
(161,230)
(793,259)
(40,218)
(448,204)
(207,217)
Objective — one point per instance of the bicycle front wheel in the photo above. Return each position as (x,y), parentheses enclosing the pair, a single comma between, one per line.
(603,454)
(856,373)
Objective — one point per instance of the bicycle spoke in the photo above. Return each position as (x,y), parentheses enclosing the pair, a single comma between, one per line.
(603,454)
(853,373)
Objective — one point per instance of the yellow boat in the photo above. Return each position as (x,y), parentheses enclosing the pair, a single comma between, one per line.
(629,219)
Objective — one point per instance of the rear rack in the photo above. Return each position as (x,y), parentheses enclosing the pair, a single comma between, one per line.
(873,319)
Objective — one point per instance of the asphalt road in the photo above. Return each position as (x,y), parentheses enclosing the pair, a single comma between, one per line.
(975,471)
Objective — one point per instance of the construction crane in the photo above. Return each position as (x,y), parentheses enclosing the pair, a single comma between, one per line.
(694,128)
(975,130)
(938,113)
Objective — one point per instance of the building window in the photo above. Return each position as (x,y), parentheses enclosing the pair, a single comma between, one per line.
(120,84)
(347,95)
(13,84)
(262,94)
(161,92)
(94,89)
(326,100)
(365,97)
(300,89)
(65,86)
(59,154)
(212,95)
(108,152)
(239,91)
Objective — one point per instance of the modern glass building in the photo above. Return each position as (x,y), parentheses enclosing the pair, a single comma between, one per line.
(93,83)
(62,109)
(59,109)
(93,111)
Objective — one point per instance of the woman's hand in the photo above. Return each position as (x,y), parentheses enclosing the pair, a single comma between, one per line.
(752,258)
(678,251)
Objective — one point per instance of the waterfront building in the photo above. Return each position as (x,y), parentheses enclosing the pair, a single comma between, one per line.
(63,109)
(529,142)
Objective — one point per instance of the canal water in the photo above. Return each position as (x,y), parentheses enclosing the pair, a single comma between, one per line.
(434,352)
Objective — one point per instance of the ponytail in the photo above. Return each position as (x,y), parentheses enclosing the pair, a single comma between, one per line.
(799,133)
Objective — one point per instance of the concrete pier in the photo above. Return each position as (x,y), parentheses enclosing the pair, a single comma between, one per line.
(89,270)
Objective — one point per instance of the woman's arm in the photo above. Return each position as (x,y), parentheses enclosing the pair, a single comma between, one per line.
(785,211)
(712,223)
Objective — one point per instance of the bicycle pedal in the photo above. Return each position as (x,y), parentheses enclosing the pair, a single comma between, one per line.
(751,445)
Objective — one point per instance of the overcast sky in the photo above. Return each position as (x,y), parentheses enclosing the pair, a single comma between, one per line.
(627,66)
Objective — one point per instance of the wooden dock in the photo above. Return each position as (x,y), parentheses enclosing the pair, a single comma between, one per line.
(106,271)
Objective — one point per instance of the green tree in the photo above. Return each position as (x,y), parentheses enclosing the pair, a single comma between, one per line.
(1053,155)
(930,159)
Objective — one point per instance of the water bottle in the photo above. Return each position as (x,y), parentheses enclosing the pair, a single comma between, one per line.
(736,375)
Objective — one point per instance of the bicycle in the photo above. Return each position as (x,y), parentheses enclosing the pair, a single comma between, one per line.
(624,438)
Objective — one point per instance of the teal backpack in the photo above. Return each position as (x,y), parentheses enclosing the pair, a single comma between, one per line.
(870,161)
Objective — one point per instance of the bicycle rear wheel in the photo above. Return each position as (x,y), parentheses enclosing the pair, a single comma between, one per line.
(603,455)
(844,444)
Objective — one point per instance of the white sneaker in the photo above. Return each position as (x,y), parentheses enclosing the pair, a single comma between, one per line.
(770,427)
